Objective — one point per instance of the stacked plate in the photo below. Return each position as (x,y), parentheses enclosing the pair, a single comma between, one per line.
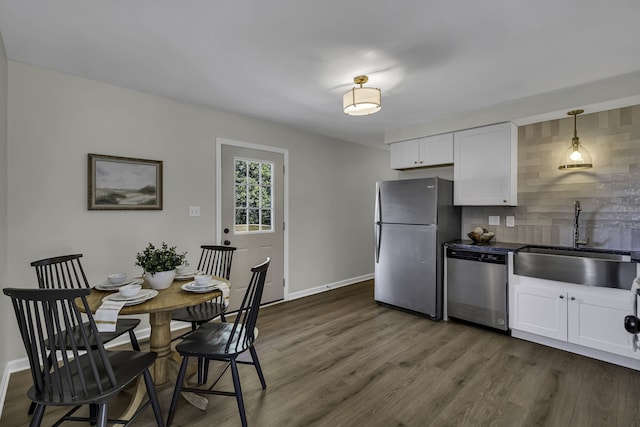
(139,298)
(194,287)
(108,286)
(187,275)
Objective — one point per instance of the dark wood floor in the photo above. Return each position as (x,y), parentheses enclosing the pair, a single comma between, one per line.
(338,359)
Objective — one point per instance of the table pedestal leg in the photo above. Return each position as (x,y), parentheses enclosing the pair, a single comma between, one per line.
(136,400)
(194,399)
(160,341)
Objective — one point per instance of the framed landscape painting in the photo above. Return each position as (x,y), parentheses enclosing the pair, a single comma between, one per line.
(123,183)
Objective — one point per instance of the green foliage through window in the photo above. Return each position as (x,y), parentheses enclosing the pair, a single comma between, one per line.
(253,198)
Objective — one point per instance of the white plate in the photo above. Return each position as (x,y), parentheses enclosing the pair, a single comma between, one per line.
(193,285)
(144,295)
(186,276)
(199,289)
(109,287)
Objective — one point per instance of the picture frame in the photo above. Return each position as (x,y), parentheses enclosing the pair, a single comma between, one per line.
(124,183)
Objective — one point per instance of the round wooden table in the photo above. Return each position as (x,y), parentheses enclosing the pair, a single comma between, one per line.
(159,310)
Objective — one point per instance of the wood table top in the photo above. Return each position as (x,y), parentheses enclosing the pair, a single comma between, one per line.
(172,298)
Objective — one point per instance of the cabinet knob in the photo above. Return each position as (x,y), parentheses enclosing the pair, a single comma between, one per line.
(561,296)
(573,298)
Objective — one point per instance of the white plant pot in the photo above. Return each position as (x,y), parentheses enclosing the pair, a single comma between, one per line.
(161,279)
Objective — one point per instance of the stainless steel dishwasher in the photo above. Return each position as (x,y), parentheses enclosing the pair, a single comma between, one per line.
(477,287)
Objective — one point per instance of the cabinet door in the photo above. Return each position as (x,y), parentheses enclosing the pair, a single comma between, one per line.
(485,165)
(540,310)
(405,154)
(436,150)
(597,321)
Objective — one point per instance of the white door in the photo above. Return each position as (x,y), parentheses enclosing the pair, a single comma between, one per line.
(251,201)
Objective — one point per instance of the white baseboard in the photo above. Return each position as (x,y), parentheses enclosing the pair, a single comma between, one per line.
(328,287)
(616,359)
(23,363)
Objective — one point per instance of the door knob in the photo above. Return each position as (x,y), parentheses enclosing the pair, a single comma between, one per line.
(227,243)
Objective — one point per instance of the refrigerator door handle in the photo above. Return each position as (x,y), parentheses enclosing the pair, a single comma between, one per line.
(378,224)
(378,235)
(378,204)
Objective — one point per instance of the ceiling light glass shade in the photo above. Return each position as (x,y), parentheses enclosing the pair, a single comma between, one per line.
(362,101)
(576,156)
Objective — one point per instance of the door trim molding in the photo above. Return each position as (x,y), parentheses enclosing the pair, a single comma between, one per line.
(285,153)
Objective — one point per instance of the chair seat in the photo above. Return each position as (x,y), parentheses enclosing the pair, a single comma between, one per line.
(200,313)
(122,326)
(127,366)
(210,342)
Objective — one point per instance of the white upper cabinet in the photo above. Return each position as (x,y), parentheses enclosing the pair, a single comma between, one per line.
(486,166)
(421,152)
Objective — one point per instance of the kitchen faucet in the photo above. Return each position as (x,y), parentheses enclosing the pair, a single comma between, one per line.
(576,231)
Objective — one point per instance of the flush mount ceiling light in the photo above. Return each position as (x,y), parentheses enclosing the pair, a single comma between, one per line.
(361,101)
(576,156)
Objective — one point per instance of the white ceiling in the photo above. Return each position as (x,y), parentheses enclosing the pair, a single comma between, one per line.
(290,61)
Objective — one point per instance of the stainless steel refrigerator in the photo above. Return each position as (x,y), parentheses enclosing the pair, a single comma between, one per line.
(414,217)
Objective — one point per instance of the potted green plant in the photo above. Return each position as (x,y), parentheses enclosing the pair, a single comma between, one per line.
(159,264)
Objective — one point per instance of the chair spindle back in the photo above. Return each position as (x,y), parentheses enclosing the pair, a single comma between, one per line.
(216,260)
(46,314)
(62,272)
(242,333)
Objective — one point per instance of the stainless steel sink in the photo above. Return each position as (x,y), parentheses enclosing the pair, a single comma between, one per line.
(590,267)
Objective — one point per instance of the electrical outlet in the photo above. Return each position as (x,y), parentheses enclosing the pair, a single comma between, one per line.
(511,221)
(194,210)
(494,220)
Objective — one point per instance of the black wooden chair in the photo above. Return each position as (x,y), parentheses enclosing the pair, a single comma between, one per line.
(66,272)
(214,260)
(225,342)
(45,318)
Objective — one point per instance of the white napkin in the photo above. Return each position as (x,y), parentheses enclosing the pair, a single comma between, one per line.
(225,292)
(107,315)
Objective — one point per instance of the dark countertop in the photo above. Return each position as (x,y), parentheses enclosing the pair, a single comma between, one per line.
(505,247)
(487,247)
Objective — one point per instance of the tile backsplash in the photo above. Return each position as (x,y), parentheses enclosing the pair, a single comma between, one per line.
(609,192)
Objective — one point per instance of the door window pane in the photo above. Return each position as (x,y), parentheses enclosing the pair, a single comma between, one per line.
(253,196)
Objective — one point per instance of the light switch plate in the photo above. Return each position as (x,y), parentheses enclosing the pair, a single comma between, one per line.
(494,220)
(511,221)
(194,210)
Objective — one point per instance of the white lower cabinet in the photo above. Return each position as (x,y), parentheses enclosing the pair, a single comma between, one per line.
(597,321)
(589,317)
(540,310)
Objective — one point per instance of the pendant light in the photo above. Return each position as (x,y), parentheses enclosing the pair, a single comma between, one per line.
(576,156)
(361,101)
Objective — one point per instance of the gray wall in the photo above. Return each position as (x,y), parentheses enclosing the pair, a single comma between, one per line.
(56,119)
(609,193)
